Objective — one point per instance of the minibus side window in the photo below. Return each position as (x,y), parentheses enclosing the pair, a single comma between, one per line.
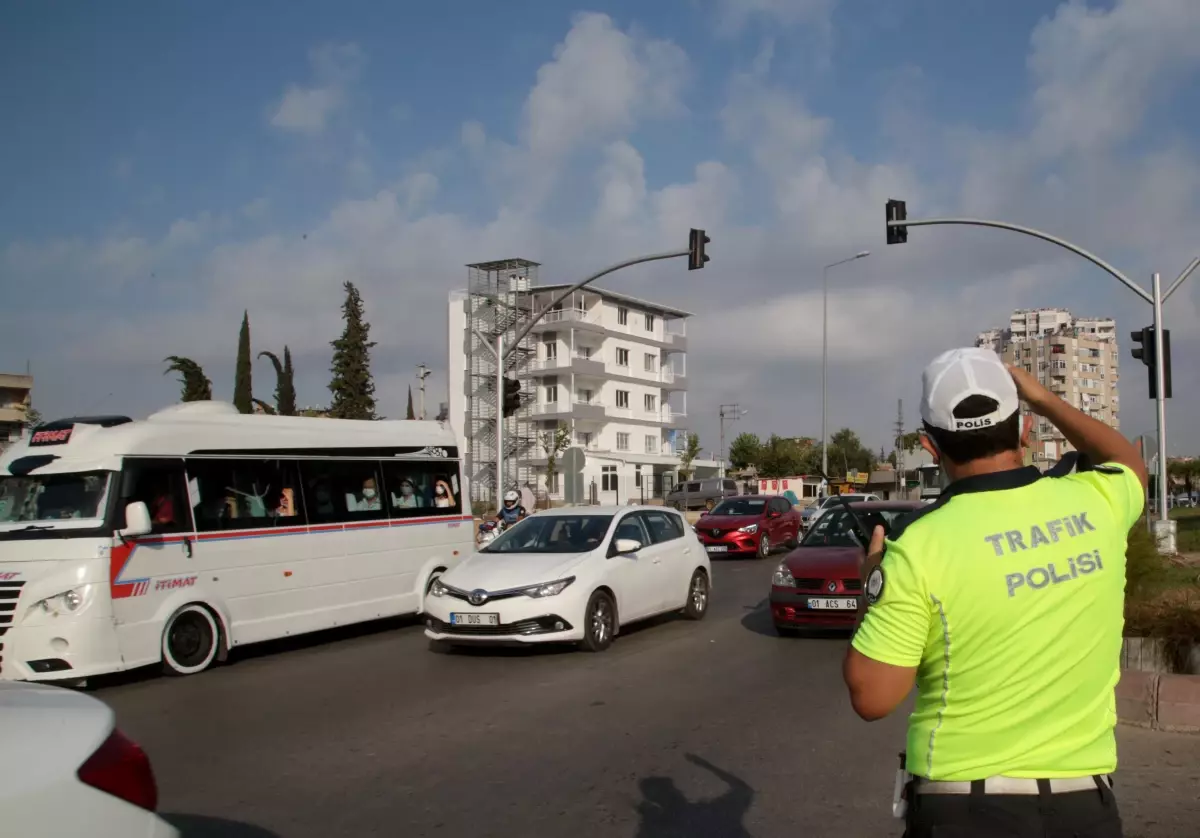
(341,491)
(162,486)
(244,494)
(419,489)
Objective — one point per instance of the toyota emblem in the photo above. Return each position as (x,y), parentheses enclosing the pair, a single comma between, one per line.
(832,587)
(478,597)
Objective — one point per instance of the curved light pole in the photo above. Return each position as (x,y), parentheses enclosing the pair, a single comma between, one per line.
(825,357)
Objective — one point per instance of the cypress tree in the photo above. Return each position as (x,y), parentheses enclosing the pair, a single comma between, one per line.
(352,387)
(194,385)
(285,400)
(411,414)
(243,392)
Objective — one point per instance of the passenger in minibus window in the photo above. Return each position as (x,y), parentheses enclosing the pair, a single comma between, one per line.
(443,497)
(408,498)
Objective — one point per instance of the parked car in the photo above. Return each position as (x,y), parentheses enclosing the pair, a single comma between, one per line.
(817,585)
(69,772)
(701,494)
(574,575)
(810,514)
(749,525)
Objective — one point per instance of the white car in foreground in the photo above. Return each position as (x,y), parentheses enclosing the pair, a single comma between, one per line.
(572,575)
(69,772)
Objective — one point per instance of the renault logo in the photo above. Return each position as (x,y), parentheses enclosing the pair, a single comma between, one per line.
(716,533)
(478,597)
(832,587)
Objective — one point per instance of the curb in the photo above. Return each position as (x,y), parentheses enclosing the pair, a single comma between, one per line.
(1159,701)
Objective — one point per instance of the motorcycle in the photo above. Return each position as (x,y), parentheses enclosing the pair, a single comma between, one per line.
(489,531)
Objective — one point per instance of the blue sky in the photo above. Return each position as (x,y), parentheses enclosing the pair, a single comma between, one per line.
(165,170)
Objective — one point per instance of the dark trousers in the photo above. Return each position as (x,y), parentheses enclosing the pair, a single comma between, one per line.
(1076,814)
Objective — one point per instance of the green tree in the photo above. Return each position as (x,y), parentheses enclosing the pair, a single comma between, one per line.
(194,385)
(33,417)
(782,457)
(910,441)
(410,414)
(554,442)
(691,450)
(266,408)
(744,450)
(243,390)
(285,382)
(847,453)
(352,387)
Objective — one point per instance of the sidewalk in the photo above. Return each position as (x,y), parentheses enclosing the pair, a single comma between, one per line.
(1158,783)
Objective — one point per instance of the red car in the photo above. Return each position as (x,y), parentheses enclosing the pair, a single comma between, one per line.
(749,525)
(817,585)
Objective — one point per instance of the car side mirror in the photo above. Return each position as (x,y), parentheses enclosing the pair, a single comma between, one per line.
(137,520)
(626,546)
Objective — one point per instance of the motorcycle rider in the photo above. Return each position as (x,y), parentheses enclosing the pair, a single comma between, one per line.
(512,511)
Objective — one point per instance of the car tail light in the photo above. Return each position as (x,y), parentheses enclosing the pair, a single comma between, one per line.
(120,768)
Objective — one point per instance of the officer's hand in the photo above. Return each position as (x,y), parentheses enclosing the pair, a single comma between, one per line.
(874,554)
(1031,391)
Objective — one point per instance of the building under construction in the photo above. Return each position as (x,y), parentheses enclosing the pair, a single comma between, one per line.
(498,303)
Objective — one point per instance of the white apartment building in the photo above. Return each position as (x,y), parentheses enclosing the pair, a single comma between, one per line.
(612,370)
(1075,357)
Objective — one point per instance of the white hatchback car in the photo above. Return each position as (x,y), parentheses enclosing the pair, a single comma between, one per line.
(69,772)
(572,575)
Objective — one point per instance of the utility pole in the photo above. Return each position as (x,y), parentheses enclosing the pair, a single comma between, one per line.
(896,226)
(899,448)
(423,372)
(728,413)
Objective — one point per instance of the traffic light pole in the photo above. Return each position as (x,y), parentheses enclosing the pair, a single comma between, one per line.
(1156,298)
(697,257)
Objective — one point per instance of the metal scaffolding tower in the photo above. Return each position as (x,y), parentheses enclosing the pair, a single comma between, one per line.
(499,303)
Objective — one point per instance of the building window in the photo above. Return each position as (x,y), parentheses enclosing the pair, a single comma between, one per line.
(622,357)
(622,316)
(553,484)
(649,322)
(648,401)
(583,438)
(608,478)
(551,394)
(551,350)
(651,445)
(650,362)
(622,442)
(623,399)
(637,477)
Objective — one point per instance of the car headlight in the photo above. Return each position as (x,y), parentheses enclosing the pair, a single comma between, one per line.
(783,577)
(548,588)
(68,602)
(749,530)
(438,589)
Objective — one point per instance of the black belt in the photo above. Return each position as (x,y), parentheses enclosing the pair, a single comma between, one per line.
(1012,785)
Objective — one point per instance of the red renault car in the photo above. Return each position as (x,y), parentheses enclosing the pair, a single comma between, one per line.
(749,525)
(817,585)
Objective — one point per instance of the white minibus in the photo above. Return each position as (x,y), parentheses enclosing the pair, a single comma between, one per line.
(173,539)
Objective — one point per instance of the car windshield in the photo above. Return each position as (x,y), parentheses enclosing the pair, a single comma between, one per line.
(552,534)
(740,506)
(49,498)
(836,529)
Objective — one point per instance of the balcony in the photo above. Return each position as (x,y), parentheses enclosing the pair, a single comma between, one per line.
(569,318)
(582,410)
(567,364)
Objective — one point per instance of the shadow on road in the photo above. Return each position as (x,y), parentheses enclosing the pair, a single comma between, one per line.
(201,826)
(666,813)
(758,620)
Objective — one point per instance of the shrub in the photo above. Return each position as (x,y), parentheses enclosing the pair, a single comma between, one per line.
(1173,617)
(1144,567)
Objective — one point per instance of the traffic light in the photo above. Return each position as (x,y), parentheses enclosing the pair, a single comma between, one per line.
(512,396)
(897,211)
(1144,351)
(696,256)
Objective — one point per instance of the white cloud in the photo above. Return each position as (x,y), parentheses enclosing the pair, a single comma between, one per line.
(308,109)
(736,13)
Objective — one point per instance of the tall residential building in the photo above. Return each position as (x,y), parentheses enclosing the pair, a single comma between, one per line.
(609,368)
(1075,357)
(15,392)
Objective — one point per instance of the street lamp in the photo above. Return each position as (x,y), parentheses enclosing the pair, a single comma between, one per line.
(825,356)
(729,413)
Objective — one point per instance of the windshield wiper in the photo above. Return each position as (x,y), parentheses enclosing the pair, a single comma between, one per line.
(35,527)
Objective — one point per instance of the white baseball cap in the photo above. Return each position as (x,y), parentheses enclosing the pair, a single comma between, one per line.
(960,373)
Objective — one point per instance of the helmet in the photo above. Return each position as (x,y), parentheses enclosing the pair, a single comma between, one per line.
(511,497)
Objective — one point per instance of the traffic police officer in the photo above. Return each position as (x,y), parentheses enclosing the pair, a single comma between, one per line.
(1002,601)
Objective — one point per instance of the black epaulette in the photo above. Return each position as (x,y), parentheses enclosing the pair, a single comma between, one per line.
(1077,462)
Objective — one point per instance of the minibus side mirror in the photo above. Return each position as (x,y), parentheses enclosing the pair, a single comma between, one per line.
(137,520)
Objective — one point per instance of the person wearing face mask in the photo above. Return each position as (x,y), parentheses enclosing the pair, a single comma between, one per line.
(1002,603)
(443,498)
(370,497)
(408,495)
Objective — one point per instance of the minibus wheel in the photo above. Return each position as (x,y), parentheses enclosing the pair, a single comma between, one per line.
(191,641)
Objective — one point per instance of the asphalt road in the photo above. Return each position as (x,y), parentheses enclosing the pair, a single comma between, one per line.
(715,729)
